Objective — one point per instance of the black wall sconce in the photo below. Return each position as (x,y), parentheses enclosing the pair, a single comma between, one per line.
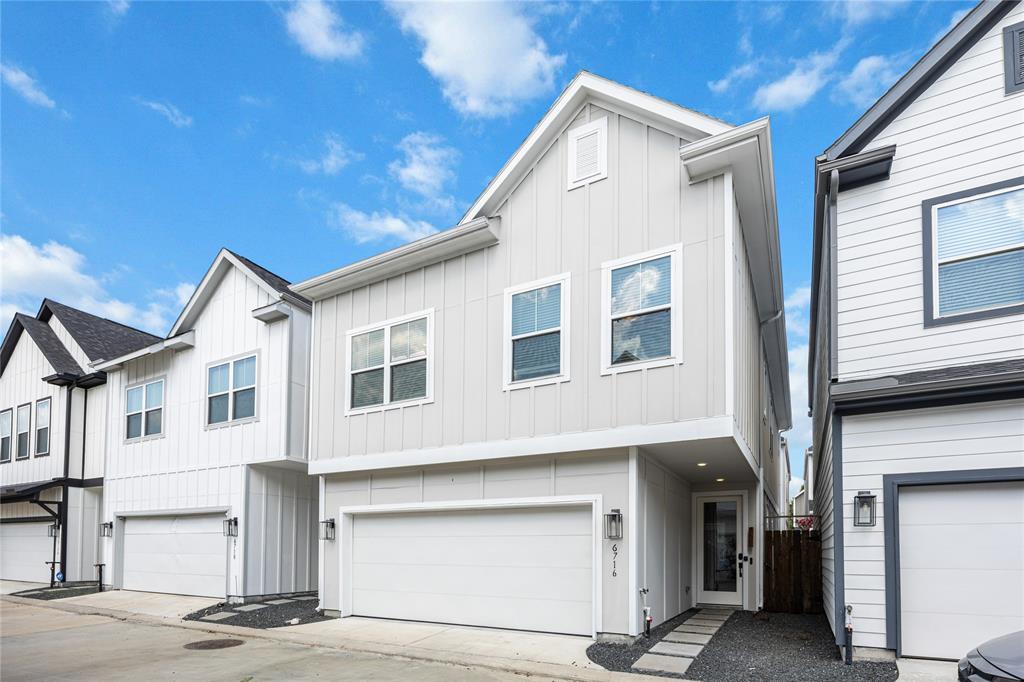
(864,509)
(107,529)
(613,525)
(53,530)
(327,529)
(231,527)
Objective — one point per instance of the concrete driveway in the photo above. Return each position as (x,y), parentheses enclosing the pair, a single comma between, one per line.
(43,643)
(174,606)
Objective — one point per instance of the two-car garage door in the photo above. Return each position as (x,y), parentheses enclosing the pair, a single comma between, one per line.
(524,568)
(961,566)
(184,554)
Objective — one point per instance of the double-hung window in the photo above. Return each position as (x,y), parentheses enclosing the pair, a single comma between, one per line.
(144,410)
(640,311)
(231,391)
(975,246)
(537,332)
(24,431)
(42,427)
(390,363)
(5,435)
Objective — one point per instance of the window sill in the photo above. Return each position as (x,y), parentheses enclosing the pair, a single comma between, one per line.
(143,439)
(1008,310)
(533,383)
(42,454)
(639,365)
(233,422)
(390,406)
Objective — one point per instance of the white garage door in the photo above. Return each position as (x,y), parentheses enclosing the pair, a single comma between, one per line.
(23,549)
(524,569)
(175,554)
(961,566)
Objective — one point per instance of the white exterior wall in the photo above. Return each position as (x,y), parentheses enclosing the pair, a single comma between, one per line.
(665,551)
(962,132)
(979,436)
(823,509)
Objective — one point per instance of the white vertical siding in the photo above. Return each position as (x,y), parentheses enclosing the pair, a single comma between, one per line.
(961,437)
(281,531)
(665,540)
(962,132)
(69,342)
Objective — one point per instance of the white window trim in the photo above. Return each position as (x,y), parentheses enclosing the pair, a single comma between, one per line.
(386,326)
(936,262)
(14,428)
(9,437)
(230,362)
(601,126)
(563,279)
(49,431)
(163,411)
(675,251)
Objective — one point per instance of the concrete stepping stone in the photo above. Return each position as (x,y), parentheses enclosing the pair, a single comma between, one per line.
(306,598)
(277,602)
(251,607)
(218,616)
(687,637)
(719,612)
(676,649)
(704,622)
(656,663)
(699,629)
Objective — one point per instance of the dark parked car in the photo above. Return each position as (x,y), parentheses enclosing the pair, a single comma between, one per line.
(997,660)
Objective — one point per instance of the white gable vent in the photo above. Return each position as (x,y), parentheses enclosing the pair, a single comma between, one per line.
(588,153)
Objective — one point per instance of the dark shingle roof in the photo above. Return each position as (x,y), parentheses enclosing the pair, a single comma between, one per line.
(277,283)
(50,346)
(99,338)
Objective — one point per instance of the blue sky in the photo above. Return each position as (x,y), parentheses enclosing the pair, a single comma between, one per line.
(139,138)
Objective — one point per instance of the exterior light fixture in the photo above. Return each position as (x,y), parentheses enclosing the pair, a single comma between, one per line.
(327,529)
(864,509)
(53,530)
(702,464)
(231,527)
(613,525)
(719,480)
(107,529)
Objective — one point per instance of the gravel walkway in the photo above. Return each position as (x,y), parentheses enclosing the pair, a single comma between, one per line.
(267,616)
(782,646)
(621,657)
(48,593)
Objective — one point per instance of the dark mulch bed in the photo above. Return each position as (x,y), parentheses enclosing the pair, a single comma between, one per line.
(621,657)
(271,616)
(48,593)
(782,646)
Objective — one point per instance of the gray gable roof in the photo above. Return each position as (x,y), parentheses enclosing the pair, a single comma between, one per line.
(44,337)
(98,337)
(277,283)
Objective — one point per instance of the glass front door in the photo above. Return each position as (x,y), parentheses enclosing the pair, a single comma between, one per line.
(720,575)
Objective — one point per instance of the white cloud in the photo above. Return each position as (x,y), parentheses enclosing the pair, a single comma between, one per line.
(859,12)
(57,271)
(795,484)
(797,314)
(118,8)
(735,75)
(25,85)
(336,156)
(320,31)
(426,168)
(795,89)
(797,306)
(953,21)
(486,55)
(173,114)
(377,226)
(869,79)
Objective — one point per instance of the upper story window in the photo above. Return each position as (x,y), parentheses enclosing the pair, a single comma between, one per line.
(144,410)
(587,157)
(5,435)
(537,332)
(640,311)
(974,250)
(42,427)
(231,391)
(1013,57)
(24,430)
(390,362)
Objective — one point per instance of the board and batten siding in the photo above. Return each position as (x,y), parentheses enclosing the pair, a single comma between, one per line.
(962,132)
(960,437)
(546,230)
(665,550)
(603,472)
(823,509)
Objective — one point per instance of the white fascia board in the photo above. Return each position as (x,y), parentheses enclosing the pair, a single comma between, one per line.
(459,240)
(174,343)
(622,437)
(746,152)
(671,116)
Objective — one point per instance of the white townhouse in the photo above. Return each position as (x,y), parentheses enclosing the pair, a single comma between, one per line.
(567,406)
(206,491)
(917,369)
(53,410)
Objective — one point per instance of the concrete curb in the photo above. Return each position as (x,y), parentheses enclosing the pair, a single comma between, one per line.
(522,667)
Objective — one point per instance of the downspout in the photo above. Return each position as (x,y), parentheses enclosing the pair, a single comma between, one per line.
(63,510)
(85,420)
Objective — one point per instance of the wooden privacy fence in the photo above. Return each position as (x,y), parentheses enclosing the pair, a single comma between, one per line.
(792,571)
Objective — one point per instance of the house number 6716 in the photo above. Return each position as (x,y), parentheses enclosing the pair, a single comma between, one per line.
(615,555)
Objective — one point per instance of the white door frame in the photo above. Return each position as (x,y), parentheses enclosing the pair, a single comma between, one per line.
(698,545)
(346,514)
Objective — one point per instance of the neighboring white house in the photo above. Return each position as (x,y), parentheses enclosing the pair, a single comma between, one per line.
(206,484)
(803,501)
(600,335)
(917,369)
(52,439)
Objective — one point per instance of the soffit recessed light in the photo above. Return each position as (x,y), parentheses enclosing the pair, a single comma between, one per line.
(702,464)
(720,480)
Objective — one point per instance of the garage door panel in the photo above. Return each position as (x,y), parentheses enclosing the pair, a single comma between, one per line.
(523,550)
(979,504)
(473,523)
(24,547)
(177,554)
(992,592)
(529,583)
(944,633)
(928,546)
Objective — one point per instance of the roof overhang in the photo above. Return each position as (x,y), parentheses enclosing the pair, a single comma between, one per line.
(174,343)
(471,236)
(273,312)
(685,122)
(745,152)
(22,492)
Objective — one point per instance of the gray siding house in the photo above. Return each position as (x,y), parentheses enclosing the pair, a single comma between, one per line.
(917,370)
(563,413)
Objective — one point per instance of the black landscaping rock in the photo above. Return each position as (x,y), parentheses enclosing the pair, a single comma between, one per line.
(270,616)
(48,593)
(621,657)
